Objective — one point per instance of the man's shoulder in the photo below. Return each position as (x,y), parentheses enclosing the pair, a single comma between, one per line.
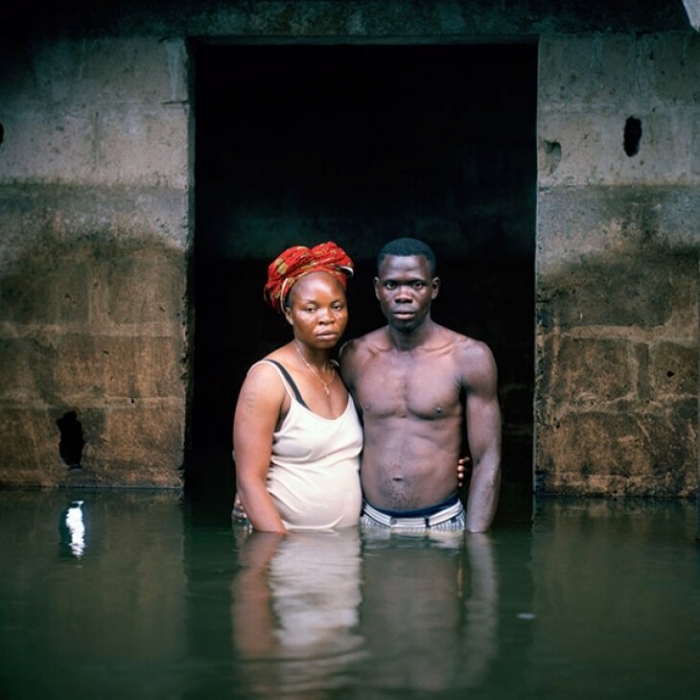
(475,361)
(468,352)
(473,349)
(357,353)
(473,346)
(374,340)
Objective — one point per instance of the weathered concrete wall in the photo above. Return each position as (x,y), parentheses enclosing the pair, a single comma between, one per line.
(618,236)
(94,180)
(95,216)
(365,20)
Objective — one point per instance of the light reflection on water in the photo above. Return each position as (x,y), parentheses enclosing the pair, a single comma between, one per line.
(72,528)
(135,594)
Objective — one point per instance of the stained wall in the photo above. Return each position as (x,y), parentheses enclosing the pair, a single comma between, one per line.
(97,222)
(94,220)
(617,258)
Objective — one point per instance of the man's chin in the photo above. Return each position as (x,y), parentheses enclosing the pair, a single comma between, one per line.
(403,325)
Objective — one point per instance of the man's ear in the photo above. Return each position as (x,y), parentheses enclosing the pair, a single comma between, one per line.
(435,284)
(376,287)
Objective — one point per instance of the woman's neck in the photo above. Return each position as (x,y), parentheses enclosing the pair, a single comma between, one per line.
(317,357)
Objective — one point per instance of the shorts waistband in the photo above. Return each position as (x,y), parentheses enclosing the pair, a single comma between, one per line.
(425,517)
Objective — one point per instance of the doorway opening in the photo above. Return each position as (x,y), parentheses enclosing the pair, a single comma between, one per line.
(359,144)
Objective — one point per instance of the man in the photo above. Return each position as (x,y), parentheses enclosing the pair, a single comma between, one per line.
(414,382)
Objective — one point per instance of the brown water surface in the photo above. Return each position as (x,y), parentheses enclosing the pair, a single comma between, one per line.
(152,595)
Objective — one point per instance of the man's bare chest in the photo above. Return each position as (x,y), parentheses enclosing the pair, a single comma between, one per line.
(411,389)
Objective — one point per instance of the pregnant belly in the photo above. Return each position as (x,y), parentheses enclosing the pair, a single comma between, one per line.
(319,500)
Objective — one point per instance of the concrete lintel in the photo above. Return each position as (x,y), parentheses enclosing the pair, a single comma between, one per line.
(692,8)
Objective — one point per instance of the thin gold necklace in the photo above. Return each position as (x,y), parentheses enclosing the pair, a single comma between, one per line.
(326,385)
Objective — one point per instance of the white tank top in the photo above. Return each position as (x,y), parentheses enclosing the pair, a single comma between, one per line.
(314,475)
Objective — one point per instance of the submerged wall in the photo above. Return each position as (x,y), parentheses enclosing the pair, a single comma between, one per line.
(94,181)
(618,236)
(96,193)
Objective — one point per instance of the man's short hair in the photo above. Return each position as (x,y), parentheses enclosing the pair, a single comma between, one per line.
(406,247)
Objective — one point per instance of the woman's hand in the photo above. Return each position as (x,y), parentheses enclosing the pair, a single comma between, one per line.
(462,466)
(238,512)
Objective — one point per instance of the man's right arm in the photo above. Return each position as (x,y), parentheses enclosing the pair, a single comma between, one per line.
(348,357)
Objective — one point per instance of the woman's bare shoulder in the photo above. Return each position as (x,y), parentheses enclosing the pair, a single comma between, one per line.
(263,376)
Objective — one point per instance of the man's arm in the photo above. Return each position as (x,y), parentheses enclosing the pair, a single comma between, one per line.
(483,416)
(349,358)
(348,365)
(345,357)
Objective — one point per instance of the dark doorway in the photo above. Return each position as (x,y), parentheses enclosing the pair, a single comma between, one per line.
(361,144)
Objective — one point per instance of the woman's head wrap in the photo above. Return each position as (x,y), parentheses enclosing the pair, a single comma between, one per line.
(295,262)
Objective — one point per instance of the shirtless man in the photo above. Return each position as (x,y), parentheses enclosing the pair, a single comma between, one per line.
(414,382)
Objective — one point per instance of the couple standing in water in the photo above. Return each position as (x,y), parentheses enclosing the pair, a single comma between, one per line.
(376,438)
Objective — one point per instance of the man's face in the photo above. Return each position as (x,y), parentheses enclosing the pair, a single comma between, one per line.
(405,290)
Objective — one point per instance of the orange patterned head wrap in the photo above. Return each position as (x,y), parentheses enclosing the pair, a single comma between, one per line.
(295,262)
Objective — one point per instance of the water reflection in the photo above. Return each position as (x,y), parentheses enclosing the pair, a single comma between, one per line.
(166,603)
(314,612)
(295,603)
(617,596)
(429,613)
(72,528)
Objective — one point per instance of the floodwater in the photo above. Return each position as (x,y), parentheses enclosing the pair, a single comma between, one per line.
(152,595)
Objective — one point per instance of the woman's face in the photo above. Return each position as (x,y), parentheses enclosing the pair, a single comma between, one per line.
(317,310)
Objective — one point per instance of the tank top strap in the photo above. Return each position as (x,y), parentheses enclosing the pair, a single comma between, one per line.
(288,380)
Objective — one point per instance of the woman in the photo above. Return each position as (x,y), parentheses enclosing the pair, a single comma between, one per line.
(297,438)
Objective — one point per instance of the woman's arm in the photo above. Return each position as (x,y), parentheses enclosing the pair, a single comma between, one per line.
(257,412)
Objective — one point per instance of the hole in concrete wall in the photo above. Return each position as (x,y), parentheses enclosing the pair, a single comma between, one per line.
(70,447)
(360,144)
(552,150)
(2,134)
(633,135)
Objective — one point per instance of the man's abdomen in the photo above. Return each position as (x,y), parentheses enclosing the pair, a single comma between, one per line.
(408,464)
